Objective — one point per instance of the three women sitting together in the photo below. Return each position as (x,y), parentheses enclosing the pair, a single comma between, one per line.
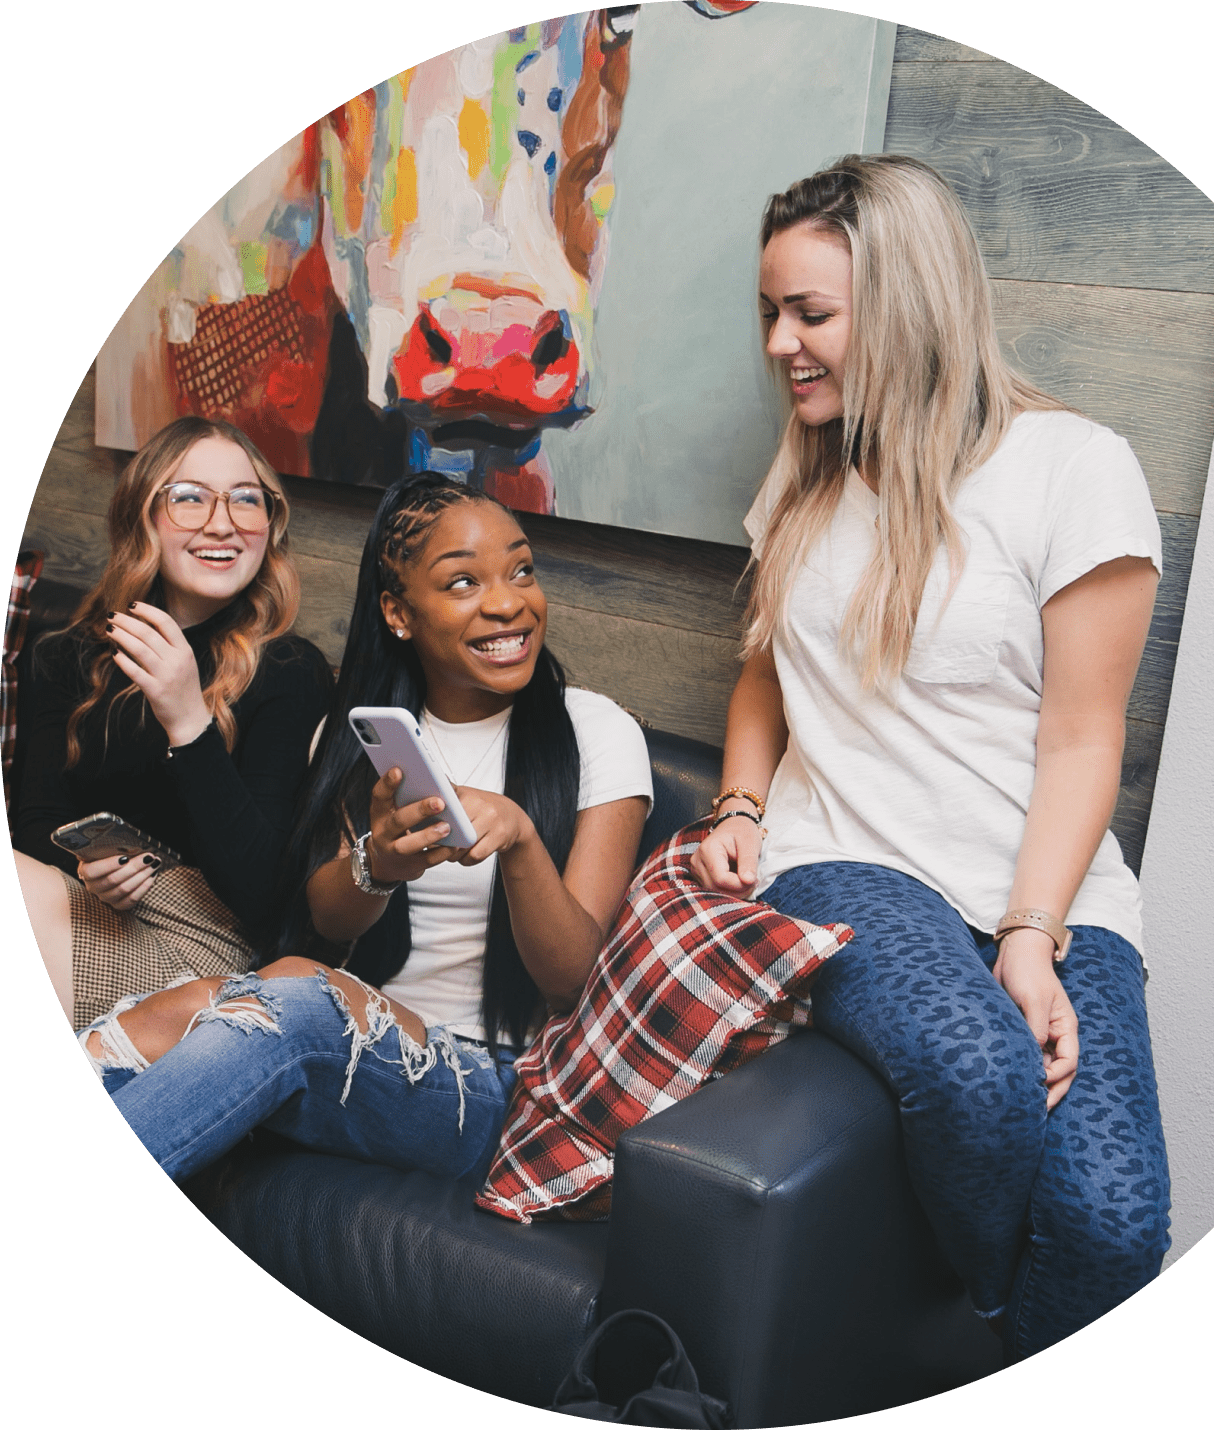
(953,576)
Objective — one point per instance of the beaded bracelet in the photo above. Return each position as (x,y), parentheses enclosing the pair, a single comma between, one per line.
(745,813)
(739,792)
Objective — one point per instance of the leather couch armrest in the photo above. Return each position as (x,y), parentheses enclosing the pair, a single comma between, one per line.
(769,1219)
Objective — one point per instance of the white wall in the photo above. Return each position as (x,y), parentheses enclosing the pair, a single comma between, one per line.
(1178,895)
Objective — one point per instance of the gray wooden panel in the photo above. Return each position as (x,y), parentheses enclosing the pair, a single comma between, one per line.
(1057,192)
(1139,766)
(326,600)
(74,544)
(667,580)
(918,46)
(329,520)
(677,680)
(1153,687)
(1141,362)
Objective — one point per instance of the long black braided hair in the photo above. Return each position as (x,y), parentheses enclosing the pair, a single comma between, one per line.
(542,765)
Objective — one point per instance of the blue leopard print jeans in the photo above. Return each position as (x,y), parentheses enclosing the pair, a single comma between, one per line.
(1051,1220)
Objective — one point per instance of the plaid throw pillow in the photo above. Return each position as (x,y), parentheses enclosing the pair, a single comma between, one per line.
(688,986)
(29,568)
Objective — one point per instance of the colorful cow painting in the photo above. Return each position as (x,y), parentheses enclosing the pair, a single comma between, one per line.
(412,281)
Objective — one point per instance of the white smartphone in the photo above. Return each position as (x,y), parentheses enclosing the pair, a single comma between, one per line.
(392,739)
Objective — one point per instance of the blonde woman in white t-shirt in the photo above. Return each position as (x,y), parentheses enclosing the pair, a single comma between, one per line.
(953,581)
(468,945)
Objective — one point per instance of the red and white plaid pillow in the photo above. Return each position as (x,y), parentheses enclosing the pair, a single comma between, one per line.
(689,985)
(29,568)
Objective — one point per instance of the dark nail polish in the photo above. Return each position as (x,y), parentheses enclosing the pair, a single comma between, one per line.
(155,865)
(150,859)
(108,629)
(132,606)
(109,615)
(124,859)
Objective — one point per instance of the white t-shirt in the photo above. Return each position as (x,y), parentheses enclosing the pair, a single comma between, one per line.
(449,904)
(936,782)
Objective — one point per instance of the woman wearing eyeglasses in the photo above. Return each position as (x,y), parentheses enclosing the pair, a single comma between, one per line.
(177,700)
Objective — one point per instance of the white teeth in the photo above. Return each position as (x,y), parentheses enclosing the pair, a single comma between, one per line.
(506,645)
(806,374)
(222,553)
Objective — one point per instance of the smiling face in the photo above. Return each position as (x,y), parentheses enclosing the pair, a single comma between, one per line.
(473,609)
(202,571)
(805,298)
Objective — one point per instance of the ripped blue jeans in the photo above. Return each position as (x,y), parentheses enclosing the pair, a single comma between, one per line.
(286,1053)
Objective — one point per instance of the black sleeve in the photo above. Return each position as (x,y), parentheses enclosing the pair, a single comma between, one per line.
(44,796)
(240,808)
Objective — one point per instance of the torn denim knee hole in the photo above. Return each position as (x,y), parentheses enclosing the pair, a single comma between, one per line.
(118,1053)
(380,1020)
(415,1060)
(243,1001)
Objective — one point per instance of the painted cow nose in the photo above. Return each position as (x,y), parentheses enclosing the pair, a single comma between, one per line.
(512,366)
(552,341)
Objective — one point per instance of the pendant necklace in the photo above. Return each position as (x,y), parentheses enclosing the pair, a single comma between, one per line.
(432,740)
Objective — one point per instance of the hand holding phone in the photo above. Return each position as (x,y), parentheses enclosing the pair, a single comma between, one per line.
(392,739)
(107,836)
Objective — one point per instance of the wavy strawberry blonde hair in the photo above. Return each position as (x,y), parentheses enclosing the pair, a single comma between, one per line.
(265,609)
(927,398)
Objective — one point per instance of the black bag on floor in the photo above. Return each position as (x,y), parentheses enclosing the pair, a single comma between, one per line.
(634,1371)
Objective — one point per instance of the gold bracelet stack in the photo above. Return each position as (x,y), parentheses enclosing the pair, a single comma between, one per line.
(739,792)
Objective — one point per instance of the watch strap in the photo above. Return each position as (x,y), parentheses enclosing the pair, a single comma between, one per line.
(1037,919)
(360,868)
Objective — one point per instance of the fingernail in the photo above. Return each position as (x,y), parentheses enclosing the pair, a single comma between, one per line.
(437,805)
(442,829)
(132,606)
(124,859)
(150,859)
(108,630)
(109,615)
(155,864)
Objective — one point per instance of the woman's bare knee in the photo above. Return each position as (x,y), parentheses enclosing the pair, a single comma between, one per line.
(293,967)
(160,1022)
(358,996)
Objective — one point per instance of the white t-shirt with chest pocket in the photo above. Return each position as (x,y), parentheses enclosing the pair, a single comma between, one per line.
(935,779)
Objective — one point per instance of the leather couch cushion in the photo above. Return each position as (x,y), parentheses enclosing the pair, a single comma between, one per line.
(405,1260)
(689,985)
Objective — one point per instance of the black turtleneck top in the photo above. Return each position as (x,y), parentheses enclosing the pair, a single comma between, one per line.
(227,814)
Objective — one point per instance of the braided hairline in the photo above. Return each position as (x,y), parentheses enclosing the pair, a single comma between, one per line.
(406,529)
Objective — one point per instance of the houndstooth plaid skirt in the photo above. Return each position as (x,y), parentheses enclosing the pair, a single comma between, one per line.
(180,928)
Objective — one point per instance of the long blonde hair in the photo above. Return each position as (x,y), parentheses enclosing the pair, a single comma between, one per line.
(265,609)
(927,398)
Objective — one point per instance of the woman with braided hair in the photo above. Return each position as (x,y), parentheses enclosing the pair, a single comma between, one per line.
(953,580)
(403,1056)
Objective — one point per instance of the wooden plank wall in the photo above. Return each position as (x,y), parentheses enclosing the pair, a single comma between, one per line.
(1103,261)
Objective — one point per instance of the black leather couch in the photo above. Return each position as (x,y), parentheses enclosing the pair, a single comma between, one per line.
(768,1218)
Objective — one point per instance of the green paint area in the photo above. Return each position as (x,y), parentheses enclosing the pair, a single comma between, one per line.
(503,110)
(253,267)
